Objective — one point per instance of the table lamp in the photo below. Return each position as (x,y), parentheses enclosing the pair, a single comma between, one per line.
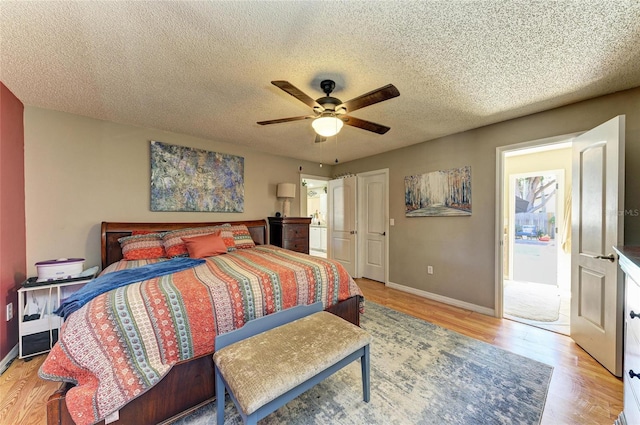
(286,191)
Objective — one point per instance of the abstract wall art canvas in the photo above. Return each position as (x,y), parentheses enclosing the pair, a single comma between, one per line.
(189,179)
(439,193)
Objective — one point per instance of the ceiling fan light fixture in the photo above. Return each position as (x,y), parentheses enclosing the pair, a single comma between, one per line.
(330,113)
(327,126)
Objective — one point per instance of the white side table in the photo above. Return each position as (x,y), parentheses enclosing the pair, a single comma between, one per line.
(38,326)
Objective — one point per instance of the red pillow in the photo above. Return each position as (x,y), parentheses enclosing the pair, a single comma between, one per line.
(142,247)
(172,240)
(205,246)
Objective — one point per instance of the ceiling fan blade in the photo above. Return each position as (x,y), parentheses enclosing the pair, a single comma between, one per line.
(303,117)
(297,93)
(379,95)
(365,125)
(320,139)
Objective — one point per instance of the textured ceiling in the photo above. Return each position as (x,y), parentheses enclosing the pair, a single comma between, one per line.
(204,68)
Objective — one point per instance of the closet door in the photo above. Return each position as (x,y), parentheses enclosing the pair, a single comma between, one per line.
(342,226)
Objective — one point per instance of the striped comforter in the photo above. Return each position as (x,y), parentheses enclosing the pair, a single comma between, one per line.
(124,341)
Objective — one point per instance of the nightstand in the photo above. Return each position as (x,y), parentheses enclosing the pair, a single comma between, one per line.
(290,233)
(38,326)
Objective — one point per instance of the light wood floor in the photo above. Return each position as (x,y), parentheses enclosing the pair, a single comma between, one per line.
(23,395)
(582,392)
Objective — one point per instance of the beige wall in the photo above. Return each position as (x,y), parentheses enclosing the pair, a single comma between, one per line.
(80,172)
(462,249)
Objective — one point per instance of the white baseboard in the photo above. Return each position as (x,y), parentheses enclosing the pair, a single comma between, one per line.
(442,299)
(4,364)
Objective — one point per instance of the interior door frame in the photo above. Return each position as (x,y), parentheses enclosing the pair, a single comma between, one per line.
(501,152)
(362,225)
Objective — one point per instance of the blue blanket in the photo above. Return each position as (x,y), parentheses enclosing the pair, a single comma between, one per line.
(120,278)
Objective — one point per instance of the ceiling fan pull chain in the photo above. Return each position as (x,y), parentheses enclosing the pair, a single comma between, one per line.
(321,151)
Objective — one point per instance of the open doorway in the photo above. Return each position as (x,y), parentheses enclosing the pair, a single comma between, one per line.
(314,197)
(594,189)
(536,256)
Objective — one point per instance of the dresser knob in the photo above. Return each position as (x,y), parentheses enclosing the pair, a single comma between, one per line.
(633,315)
(632,374)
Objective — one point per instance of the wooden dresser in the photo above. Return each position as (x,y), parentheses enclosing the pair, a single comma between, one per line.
(290,233)
(630,265)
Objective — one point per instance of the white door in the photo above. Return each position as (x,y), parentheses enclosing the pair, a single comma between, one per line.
(342,222)
(597,226)
(372,196)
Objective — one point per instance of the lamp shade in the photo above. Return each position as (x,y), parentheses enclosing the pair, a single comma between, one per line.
(286,190)
(327,126)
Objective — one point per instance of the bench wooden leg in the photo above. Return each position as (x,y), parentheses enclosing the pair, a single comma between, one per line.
(220,394)
(366,381)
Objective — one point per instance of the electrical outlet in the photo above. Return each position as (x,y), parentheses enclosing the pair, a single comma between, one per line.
(429,269)
(9,311)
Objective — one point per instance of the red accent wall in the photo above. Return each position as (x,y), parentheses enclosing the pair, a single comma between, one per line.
(13,252)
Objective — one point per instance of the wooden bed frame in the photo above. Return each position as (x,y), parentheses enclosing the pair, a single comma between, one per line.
(189,384)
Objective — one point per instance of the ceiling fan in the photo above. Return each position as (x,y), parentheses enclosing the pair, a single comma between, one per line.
(330,113)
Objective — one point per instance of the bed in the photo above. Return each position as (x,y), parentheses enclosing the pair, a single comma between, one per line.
(189,383)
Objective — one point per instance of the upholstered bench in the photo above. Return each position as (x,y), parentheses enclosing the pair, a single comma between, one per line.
(273,359)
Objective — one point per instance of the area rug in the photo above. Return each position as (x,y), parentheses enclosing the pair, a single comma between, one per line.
(532,301)
(420,374)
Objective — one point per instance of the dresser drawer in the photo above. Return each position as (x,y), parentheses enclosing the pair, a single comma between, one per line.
(291,233)
(632,298)
(631,385)
(632,356)
(631,409)
(630,266)
(631,351)
(299,245)
(296,231)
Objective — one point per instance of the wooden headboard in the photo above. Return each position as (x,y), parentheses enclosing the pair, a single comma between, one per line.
(111,232)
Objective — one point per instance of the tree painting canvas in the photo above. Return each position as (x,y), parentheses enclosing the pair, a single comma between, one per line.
(188,179)
(439,193)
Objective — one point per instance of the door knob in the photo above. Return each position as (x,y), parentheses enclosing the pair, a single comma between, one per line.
(609,257)
(383,233)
